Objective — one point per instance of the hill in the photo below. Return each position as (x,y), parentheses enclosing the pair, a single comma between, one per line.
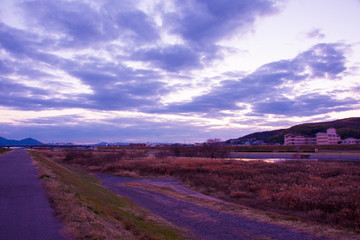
(26,141)
(348,127)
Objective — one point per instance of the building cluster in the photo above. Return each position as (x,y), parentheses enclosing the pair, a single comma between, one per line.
(330,137)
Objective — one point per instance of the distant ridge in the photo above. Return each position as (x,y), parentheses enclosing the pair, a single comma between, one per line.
(348,127)
(26,141)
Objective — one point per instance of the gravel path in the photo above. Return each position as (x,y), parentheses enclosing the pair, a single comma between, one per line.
(25,213)
(205,223)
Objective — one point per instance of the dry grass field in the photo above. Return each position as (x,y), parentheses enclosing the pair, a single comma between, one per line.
(323,192)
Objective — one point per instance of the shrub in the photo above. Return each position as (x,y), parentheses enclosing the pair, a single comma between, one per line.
(212,148)
(162,154)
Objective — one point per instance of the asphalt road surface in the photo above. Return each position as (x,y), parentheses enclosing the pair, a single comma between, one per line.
(25,212)
(204,223)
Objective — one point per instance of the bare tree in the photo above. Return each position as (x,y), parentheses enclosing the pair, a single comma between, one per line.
(214,148)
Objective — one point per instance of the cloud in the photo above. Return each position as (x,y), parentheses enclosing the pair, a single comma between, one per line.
(171,58)
(17,42)
(315,33)
(5,67)
(325,60)
(139,24)
(20,96)
(111,95)
(266,88)
(77,24)
(12,40)
(304,105)
(208,21)
(200,25)
(113,129)
(24,45)
(138,56)
(117,87)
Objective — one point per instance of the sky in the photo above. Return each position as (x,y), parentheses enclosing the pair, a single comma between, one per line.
(87,71)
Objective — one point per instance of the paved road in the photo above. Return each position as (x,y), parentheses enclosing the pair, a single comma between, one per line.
(25,213)
(203,222)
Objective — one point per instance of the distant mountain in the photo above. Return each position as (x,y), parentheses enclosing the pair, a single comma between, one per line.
(26,141)
(348,127)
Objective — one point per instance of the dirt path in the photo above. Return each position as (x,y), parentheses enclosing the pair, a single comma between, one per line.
(204,222)
(25,213)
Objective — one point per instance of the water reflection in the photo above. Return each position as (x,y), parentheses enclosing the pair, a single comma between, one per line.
(270,160)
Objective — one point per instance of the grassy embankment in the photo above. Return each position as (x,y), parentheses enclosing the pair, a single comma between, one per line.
(324,192)
(91,212)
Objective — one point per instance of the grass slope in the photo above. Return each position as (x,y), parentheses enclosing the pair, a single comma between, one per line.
(91,212)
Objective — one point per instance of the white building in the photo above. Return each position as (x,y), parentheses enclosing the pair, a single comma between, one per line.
(293,139)
(330,137)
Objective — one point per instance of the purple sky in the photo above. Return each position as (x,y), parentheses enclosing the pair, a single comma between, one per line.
(174,71)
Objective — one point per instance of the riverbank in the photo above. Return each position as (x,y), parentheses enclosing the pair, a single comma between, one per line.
(324,156)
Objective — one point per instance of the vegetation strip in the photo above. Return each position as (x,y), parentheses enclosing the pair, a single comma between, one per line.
(92,212)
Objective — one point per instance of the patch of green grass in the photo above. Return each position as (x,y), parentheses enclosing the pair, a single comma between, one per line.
(102,203)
